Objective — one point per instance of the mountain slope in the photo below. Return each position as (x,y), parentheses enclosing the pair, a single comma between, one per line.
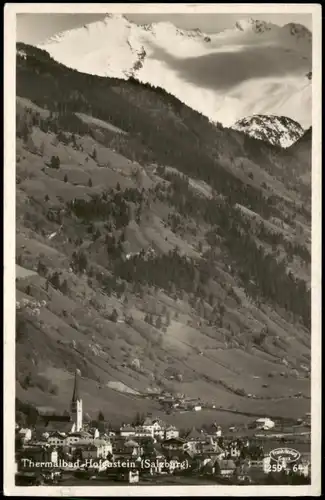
(254,68)
(303,145)
(168,254)
(301,150)
(278,130)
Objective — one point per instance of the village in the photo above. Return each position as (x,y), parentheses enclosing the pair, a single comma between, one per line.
(65,449)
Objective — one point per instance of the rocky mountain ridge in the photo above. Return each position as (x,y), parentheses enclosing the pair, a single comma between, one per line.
(277,130)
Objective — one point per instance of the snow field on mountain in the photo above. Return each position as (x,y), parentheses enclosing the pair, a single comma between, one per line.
(254,68)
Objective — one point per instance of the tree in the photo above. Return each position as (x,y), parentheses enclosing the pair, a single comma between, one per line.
(97,235)
(138,419)
(20,418)
(31,145)
(64,287)
(114,316)
(118,187)
(55,280)
(94,154)
(31,415)
(123,236)
(19,443)
(81,261)
(158,322)
(23,130)
(216,468)
(46,197)
(90,182)
(41,148)
(100,417)
(55,162)
(65,178)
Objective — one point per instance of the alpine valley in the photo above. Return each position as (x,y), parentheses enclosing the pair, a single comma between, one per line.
(157,250)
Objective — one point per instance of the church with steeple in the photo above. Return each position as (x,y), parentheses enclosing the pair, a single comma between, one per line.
(69,421)
(76,404)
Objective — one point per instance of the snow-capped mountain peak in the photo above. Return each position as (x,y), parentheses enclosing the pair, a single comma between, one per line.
(277,130)
(254,25)
(254,68)
(298,30)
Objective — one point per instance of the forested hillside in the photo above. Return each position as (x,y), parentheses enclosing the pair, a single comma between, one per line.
(155,236)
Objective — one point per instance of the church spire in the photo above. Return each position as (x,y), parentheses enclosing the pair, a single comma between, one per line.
(76,394)
(76,403)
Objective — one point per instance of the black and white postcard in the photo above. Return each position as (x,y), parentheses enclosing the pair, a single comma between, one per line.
(162,215)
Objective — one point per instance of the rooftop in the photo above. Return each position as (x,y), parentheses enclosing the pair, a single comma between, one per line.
(58,426)
(174,440)
(194,434)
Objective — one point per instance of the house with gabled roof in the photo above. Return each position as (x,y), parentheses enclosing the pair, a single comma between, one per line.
(215,430)
(134,446)
(195,436)
(193,439)
(25,434)
(94,432)
(99,448)
(127,430)
(124,453)
(74,437)
(138,431)
(64,426)
(154,426)
(171,432)
(211,448)
(154,462)
(56,439)
(173,444)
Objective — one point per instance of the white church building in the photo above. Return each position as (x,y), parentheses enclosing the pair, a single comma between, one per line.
(76,405)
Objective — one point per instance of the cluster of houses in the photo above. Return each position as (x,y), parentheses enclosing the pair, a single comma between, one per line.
(151,448)
(58,443)
(64,444)
(150,428)
(170,402)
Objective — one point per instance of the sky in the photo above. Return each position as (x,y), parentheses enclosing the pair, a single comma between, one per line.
(36,28)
